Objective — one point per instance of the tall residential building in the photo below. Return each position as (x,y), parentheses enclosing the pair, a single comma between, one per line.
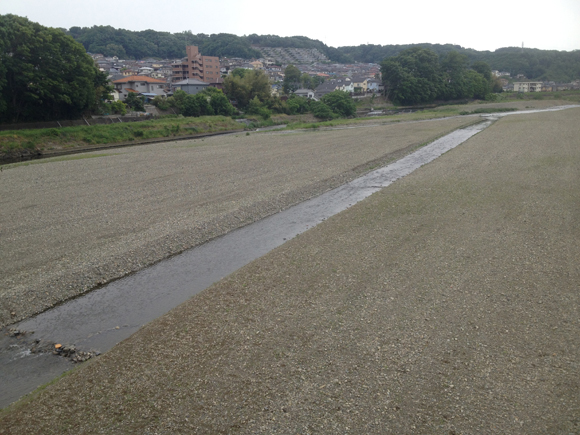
(196,66)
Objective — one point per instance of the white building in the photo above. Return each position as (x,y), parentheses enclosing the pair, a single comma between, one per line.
(527,86)
(139,85)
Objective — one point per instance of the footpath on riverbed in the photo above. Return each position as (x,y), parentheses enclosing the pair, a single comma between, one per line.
(445,303)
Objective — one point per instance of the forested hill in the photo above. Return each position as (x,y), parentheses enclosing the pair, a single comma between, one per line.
(560,66)
(127,44)
(554,65)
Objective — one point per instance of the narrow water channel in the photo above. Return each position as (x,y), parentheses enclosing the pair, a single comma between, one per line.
(102,318)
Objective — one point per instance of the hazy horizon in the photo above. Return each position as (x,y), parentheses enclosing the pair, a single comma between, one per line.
(415,22)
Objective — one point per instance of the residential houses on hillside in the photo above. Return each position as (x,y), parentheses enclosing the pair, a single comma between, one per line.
(146,86)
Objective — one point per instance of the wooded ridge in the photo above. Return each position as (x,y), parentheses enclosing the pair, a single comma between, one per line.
(560,66)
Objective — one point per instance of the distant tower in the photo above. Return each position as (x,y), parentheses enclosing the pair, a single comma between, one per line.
(522,47)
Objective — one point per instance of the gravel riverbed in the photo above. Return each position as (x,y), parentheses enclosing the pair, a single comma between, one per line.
(71,224)
(447,303)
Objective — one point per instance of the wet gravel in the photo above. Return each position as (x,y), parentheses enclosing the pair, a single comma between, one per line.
(446,303)
(70,225)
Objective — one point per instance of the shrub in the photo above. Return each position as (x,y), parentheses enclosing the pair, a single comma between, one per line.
(118,107)
(160,102)
(322,110)
(340,103)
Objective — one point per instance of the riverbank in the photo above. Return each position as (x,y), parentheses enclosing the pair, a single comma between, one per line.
(445,303)
(25,145)
(74,223)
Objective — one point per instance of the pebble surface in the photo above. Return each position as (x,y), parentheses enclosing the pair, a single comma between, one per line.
(447,303)
(72,224)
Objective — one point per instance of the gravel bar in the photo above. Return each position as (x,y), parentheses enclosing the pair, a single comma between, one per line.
(447,303)
(71,224)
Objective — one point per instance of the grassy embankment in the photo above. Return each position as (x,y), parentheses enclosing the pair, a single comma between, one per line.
(72,137)
(13,142)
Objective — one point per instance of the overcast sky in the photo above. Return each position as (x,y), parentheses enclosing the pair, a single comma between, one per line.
(482,25)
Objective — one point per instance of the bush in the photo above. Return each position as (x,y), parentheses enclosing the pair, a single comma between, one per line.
(257,108)
(118,107)
(297,105)
(196,105)
(135,102)
(321,110)
(160,102)
(340,103)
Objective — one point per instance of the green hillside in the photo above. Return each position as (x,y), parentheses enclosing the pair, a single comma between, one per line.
(560,66)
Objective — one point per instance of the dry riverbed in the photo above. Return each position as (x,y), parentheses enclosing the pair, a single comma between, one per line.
(447,303)
(73,223)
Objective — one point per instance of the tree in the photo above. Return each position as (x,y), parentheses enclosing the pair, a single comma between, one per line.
(255,83)
(484,69)
(239,72)
(317,81)
(340,103)
(255,107)
(45,74)
(160,102)
(135,102)
(292,76)
(219,102)
(454,68)
(306,81)
(412,77)
(177,100)
(321,110)
(297,105)
(196,105)
(118,107)
(237,90)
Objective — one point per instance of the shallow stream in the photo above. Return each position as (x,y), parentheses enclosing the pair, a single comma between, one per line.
(102,318)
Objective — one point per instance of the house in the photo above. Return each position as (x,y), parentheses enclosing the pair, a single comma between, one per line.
(325,88)
(527,86)
(190,86)
(372,85)
(307,93)
(139,85)
(157,75)
(145,71)
(257,64)
(359,84)
(196,66)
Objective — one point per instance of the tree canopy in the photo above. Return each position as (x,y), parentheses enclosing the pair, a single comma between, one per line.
(340,103)
(253,84)
(44,73)
(560,66)
(292,79)
(418,75)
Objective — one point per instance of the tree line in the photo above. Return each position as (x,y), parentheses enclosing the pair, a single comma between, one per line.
(45,74)
(535,64)
(418,75)
(127,44)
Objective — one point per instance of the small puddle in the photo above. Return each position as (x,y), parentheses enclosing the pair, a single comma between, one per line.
(102,318)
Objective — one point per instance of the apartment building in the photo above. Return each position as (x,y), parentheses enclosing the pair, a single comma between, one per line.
(196,66)
(527,86)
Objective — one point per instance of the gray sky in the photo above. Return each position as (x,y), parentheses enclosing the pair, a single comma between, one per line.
(482,25)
